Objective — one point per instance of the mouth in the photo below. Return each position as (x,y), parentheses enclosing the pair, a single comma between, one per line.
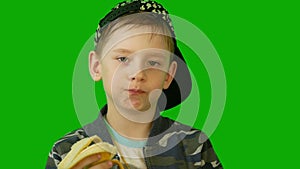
(135,91)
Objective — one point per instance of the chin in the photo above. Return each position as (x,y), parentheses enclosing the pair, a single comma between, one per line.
(140,108)
(137,113)
(135,106)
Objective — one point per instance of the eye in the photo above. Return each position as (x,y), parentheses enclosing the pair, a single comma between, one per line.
(153,63)
(122,59)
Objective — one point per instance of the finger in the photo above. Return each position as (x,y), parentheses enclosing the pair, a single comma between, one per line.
(87,161)
(104,165)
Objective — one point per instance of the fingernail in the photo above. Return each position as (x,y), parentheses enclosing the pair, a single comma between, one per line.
(109,163)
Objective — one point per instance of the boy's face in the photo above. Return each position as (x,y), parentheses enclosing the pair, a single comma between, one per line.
(134,69)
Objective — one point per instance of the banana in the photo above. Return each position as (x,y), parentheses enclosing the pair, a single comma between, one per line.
(83,149)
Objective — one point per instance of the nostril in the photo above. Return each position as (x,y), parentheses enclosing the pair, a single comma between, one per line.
(132,77)
(140,76)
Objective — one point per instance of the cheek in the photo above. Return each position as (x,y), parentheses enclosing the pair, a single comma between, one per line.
(106,84)
(113,78)
(157,78)
(107,78)
(156,73)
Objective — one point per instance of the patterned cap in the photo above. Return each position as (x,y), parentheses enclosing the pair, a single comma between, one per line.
(131,7)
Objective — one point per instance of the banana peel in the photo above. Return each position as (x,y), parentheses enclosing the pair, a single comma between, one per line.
(83,149)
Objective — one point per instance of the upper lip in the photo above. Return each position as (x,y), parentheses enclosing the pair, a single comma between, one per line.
(133,90)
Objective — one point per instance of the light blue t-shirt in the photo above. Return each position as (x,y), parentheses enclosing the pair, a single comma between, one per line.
(131,150)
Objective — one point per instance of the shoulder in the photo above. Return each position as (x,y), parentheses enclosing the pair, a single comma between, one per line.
(178,128)
(195,143)
(189,137)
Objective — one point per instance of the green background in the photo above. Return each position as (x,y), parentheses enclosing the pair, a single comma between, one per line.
(257,41)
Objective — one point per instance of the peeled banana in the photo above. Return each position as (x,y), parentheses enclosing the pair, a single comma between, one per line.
(83,149)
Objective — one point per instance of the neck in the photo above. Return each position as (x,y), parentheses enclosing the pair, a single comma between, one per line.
(127,126)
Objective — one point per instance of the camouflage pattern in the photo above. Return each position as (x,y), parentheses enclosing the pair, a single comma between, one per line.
(170,145)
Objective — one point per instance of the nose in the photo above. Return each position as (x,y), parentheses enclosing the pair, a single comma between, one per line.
(139,76)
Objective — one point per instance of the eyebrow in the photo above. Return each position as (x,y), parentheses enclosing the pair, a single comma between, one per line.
(122,51)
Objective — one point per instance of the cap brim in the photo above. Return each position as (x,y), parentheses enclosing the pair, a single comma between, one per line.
(181,85)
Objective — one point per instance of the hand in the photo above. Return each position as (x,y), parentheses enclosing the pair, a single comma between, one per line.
(91,159)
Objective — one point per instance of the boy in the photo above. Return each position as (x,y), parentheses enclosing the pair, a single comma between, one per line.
(143,73)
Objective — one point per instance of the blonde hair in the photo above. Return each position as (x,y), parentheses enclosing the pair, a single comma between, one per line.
(151,20)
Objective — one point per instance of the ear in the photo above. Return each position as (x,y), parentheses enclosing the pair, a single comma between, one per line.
(170,75)
(95,66)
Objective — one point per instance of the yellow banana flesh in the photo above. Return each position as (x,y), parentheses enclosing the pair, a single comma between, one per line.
(83,149)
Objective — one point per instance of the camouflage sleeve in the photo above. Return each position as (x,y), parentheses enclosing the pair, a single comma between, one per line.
(53,159)
(62,147)
(209,156)
(209,159)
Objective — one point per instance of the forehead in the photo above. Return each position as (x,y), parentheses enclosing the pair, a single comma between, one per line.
(135,39)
